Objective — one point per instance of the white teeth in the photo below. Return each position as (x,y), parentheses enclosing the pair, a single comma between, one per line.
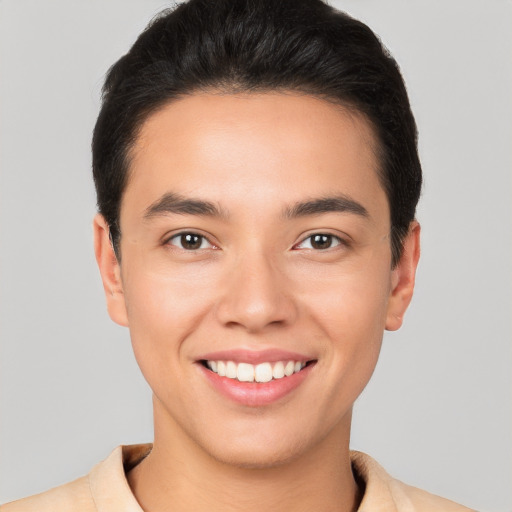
(231,370)
(263,372)
(289,368)
(278,372)
(245,372)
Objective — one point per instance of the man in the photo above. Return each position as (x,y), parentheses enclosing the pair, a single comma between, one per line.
(257,178)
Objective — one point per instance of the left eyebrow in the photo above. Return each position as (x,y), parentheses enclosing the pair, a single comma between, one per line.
(175,203)
(340,204)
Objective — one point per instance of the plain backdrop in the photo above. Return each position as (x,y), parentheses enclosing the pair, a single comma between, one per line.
(438,412)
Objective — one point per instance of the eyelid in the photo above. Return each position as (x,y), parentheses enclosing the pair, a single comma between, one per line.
(342,241)
(168,237)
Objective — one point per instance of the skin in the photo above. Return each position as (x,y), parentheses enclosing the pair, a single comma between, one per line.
(256,282)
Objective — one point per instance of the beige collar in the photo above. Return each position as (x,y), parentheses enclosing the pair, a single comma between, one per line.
(111,492)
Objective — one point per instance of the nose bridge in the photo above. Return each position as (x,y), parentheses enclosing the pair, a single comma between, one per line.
(255,295)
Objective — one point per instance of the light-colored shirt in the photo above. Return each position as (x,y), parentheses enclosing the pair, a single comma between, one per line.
(105,489)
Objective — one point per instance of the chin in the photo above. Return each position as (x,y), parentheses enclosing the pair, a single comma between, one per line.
(256,458)
(262,446)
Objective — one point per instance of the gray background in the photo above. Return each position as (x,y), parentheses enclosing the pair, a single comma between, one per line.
(437,413)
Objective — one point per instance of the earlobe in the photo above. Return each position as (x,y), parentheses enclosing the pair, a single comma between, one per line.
(403,279)
(110,271)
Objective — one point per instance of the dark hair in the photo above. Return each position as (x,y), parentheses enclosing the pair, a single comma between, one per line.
(258,45)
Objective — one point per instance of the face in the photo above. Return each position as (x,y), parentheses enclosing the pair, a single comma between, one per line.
(255,273)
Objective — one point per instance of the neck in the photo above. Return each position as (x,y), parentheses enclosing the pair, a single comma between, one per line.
(180,476)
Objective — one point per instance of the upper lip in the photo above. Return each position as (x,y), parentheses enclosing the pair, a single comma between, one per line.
(255,356)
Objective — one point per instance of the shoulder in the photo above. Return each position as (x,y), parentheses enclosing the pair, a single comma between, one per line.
(423,501)
(74,496)
(385,493)
(104,488)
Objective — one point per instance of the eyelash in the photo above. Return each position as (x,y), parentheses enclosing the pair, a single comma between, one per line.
(333,238)
(180,236)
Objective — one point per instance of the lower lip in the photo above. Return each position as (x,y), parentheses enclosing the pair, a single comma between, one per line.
(255,394)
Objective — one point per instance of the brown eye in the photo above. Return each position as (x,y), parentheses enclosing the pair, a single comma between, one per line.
(190,241)
(320,241)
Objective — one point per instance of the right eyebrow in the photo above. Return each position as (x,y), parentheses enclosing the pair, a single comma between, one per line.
(338,203)
(171,203)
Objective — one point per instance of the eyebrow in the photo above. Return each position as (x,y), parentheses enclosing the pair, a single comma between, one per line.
(339,203)
(172,203)
(175,203)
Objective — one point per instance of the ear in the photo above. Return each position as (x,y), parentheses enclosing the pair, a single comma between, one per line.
(110,271)
(402,279)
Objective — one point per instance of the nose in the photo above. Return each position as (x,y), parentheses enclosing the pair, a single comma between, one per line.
(256,295)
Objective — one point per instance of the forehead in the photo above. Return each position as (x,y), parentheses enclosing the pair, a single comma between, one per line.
(254,146)
(294,115)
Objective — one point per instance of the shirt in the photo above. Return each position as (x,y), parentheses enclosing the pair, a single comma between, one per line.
(105,489)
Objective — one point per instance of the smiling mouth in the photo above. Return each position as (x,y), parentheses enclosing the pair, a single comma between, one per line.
(263,372)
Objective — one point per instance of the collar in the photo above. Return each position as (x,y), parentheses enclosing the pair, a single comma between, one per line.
(111,492)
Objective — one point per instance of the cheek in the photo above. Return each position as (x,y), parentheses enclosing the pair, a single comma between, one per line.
(352,317)
(350,302)
(354,321)
(160,295)
(163,309)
